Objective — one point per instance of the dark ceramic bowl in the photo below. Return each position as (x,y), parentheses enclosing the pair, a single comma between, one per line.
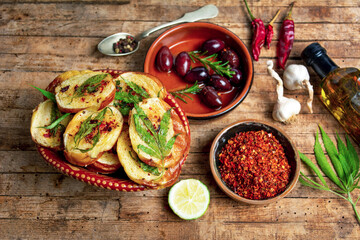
(254,125)
(189,37)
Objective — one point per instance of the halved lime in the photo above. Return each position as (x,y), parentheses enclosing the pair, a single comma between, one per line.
(189,199)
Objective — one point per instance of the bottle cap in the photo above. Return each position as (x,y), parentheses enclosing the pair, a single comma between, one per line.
(311,52)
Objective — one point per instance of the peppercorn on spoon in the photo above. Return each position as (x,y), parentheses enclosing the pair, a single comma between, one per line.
(106,46)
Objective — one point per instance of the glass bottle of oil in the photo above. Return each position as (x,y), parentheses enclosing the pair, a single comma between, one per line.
(340,88)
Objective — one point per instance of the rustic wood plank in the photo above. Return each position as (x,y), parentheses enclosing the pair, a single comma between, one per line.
(105,28)
(58,208)
(225,209)
(255,4)
(84,229)
(131,209)
(58,63)
(69,1)
(41,39)
(153,12)
(85,46)
(59,185)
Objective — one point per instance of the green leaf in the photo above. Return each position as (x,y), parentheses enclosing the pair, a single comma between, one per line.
(47,94)
(304,182)
(148,138)
(164,127)
(57,121)
(343,150)
(333,154)
(355,185)
(350,181)
(90,85)
(124,108)
(127,97)
(87,126)
(313,167)
(354,158)
(137,88)
(324,164)
(145,167)
(95,140)
(345,166)
(170,144)
(147,122)
(149,151)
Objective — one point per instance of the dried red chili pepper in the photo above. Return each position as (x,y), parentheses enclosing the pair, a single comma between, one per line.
(253,164)
(270,31)
(258,38)
(286,39)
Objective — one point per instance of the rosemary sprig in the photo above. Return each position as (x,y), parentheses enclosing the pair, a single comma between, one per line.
(194,89)
(345,161)
(221,68)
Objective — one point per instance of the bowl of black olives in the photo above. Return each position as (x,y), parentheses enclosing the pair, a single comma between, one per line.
(206,67)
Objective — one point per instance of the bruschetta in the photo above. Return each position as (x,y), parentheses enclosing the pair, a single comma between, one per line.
(91,133)
(43,116)
(152,134)
(62,77)
(140,172)
(133,87)
(84,90)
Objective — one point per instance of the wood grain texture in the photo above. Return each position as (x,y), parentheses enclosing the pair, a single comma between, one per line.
(43,38)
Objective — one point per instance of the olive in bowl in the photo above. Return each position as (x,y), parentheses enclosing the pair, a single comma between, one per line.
(247,170)
(208,37)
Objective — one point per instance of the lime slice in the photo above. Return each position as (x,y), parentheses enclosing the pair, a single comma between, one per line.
(189,199)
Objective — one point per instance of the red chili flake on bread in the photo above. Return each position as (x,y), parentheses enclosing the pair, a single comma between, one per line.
(253,164)
(64,89)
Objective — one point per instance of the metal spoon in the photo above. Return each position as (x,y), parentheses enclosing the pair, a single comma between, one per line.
(106,45)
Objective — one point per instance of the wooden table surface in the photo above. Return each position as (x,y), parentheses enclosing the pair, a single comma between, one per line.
(41,39)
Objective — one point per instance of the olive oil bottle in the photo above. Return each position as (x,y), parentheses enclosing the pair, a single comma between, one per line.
(340,88)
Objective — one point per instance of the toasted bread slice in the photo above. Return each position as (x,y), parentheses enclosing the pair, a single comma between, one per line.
(134,168)
(42,117)
(81,147)
(148,82)
(108,163)
(155,109)
(75,94)
(62,77)
(133,87)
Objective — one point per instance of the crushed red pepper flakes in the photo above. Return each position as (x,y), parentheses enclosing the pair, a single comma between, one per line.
(253,164)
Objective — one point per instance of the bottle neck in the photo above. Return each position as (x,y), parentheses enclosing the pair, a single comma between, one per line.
(315,56)
(323,65)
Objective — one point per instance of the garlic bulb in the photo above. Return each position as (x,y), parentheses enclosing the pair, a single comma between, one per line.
(297,77)
(285,109)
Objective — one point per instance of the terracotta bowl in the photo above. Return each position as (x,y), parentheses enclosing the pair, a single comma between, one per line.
(254,125)
(118,181)
(190,37)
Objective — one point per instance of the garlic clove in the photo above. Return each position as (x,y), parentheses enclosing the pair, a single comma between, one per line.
(286,109)
(295,76)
